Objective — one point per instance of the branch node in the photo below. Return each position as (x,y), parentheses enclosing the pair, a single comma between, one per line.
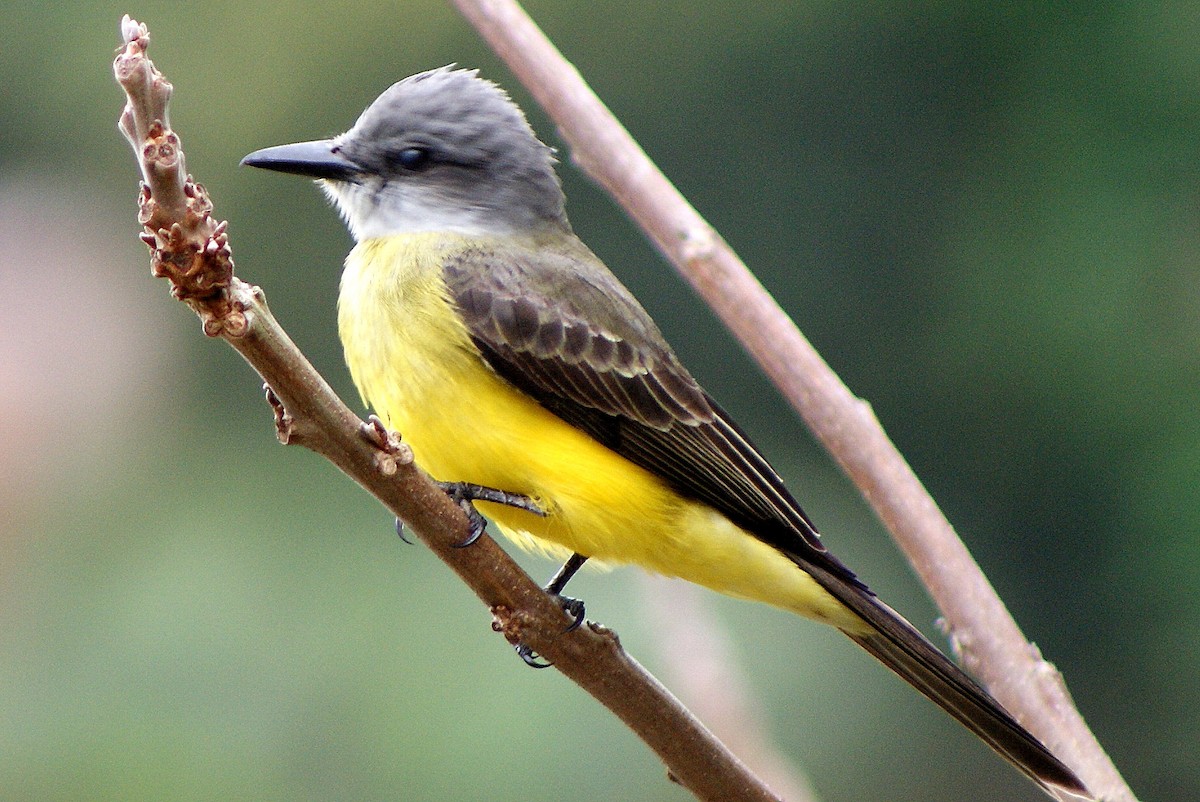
(609,634)
(510,623)
(285,424)
(192,252)
(697,244)
(160,148)
(135,34)
(390,453)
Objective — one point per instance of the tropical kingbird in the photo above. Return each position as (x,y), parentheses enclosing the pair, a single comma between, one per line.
(507,355)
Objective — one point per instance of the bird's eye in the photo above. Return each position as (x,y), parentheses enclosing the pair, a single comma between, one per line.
(413,158)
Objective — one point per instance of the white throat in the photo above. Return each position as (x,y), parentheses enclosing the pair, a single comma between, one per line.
(375,209)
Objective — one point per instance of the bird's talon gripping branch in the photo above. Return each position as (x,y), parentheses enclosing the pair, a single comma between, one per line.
(572,607)
(464,494)
(477,528)
(530,657)
(512,624)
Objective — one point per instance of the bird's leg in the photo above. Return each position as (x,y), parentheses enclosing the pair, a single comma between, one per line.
(572,607)
(464,493)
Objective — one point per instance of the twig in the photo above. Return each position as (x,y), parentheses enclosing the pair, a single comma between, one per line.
(699,660)
(989,641)
(192,251)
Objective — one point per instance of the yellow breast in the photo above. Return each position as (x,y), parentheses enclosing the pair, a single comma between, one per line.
(413,361)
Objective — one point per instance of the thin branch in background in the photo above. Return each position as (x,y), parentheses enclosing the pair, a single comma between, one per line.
(191,249)
(989,641)
(701,663)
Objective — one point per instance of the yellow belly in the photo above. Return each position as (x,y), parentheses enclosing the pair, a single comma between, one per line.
(411,357)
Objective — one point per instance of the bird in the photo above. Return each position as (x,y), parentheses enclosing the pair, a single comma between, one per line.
(477,324)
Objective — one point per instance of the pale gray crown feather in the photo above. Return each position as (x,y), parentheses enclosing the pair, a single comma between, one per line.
(488,172)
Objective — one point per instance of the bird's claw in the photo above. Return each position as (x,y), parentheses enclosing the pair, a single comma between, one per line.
(464,494)
(400,531)
(574,608)
(476,527)
(570,606)
(530,657)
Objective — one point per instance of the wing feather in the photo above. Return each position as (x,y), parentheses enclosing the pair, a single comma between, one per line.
(564,330)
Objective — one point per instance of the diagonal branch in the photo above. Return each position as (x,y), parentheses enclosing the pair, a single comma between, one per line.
(191,249)
(983,632)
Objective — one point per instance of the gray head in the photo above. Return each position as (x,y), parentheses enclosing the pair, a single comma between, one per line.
(442,150)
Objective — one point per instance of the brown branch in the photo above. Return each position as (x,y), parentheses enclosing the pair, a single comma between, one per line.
(191,250)
(989,641)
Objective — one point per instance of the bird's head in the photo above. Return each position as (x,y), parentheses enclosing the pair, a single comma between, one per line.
(443,150)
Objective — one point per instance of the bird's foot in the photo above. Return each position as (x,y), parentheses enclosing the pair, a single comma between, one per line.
(464,494)
(572,607)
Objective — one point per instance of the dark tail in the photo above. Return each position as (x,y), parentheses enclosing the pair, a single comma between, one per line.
(900,647)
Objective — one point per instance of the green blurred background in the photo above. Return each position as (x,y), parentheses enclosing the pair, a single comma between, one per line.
(984,215)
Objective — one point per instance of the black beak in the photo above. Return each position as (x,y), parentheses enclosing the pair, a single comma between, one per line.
(317,159)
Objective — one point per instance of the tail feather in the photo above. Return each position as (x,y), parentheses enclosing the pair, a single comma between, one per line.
(900,647)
